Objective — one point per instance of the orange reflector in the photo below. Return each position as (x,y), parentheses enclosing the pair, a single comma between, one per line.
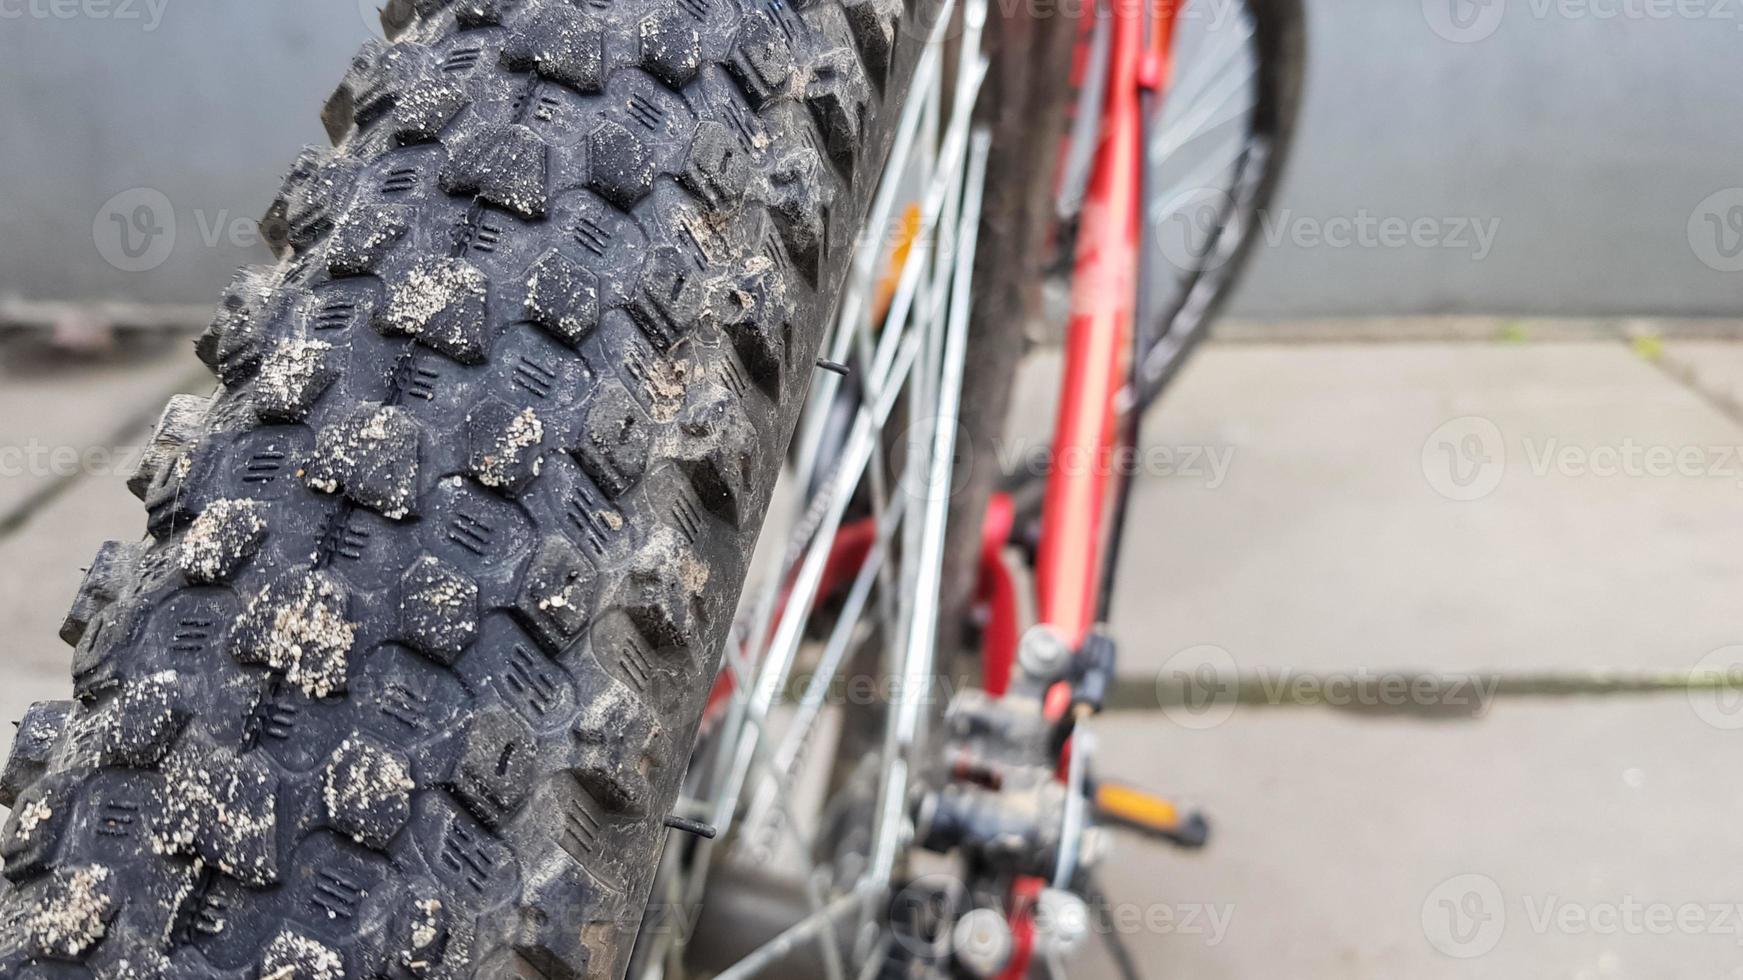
(906,232)
(1136,807)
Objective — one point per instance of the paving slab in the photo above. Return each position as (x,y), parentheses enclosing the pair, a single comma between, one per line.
(41,565)
(1714,368)
(1326,544)
(60,416)
(1439,506)
(1593,839)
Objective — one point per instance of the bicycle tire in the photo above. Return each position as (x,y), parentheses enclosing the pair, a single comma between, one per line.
(405,676)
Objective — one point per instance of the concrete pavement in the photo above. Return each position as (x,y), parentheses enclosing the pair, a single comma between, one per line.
(1308,516)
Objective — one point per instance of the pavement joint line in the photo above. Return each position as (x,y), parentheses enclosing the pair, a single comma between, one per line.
(1474,329)
(1456,696)
(1672,367)
(19,515)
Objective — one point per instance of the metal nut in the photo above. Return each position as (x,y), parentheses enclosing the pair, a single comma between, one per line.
(982,942)
(1043,653)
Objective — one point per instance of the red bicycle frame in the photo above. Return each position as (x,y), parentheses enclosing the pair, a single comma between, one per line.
(1097,351)
(1098,339)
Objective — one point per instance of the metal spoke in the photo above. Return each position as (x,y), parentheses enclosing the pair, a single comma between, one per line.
(1198,179)
(1204,116)
(863,272)
(1204,61)
(778,661)
(920,647)
(1082,747)
(873,376)
(910,353)
(778,948)
(892,343)
(798,734)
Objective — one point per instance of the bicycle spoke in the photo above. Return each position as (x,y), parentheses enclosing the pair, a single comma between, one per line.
(1207,58)
(912,353)
(1167,204)
(787,755)
(893,340)
(864,269)
(778,661)
(776,949)
(920,647)
(1207,116)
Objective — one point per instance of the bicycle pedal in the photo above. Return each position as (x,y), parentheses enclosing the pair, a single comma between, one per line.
(1149,814)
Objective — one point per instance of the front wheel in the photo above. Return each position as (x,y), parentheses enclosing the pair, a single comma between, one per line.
(403,680)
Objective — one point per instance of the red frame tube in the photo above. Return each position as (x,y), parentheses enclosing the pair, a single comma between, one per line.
(1104,294)
(1097,348)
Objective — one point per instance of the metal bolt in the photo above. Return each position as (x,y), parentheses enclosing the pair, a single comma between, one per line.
(982,942)
(1096,845)
(1062,920)
(1043,653)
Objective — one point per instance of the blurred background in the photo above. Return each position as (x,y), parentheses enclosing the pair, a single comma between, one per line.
(1589,134)
(1510,459)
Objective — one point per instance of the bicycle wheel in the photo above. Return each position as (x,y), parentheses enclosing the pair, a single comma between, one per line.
(404,679)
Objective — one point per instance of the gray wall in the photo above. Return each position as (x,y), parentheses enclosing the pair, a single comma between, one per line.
(1587,143)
